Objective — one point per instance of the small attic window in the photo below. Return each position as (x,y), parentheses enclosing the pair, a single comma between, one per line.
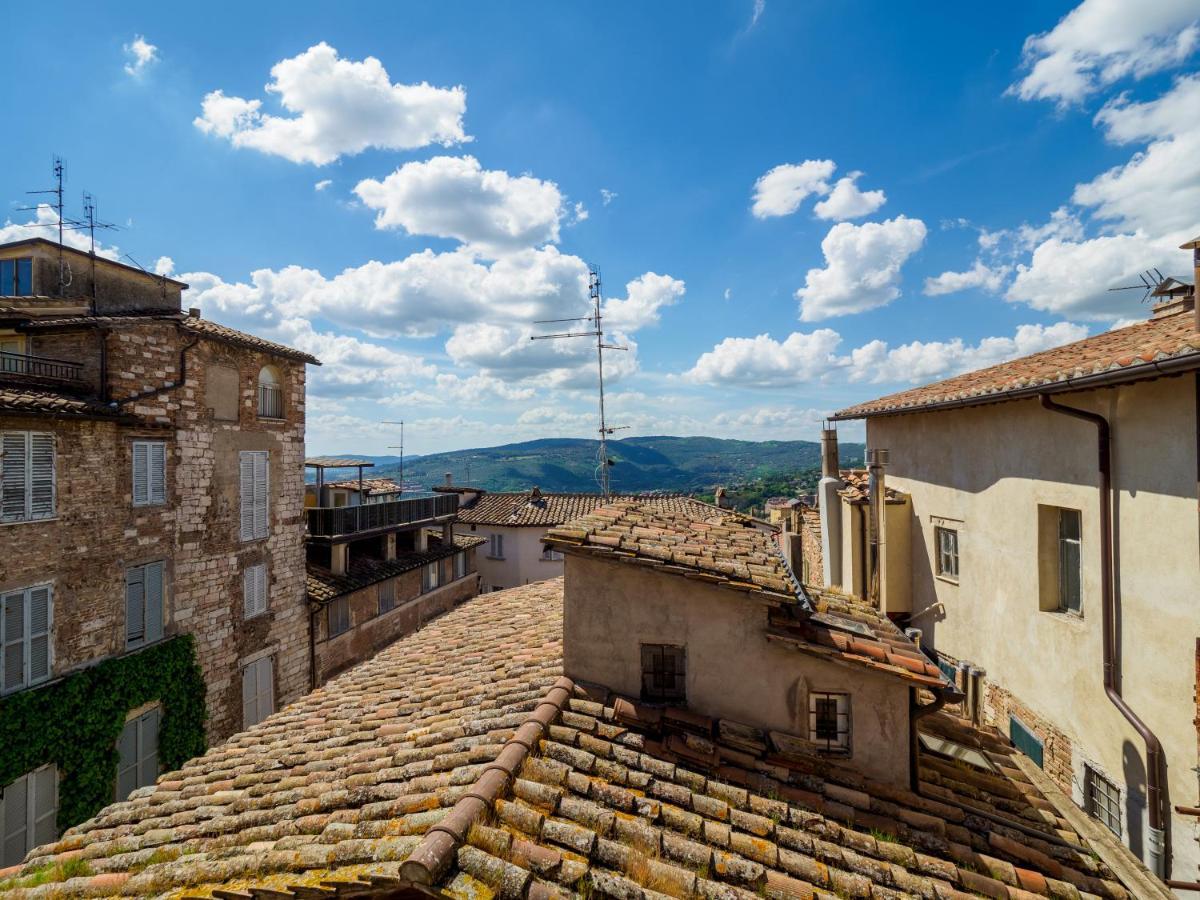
(664,673)
(270,394)
(16,277)
(829,722)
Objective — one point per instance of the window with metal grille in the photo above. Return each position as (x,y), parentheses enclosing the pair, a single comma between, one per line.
(254,590)
(429,577)
(255,476)
(25,647)
(26,476)
(829,722)
(137,753)
(144,595)
(338,613)
(947,552)
(258,691)
(1102,799)
(1025,740)
(270,394)
(16,277)
(28,812)
(387,595)
(149,473)
(1069,527)
(664,672)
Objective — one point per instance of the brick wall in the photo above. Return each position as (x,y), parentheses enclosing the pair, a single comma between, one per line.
(98,532)
(808,521)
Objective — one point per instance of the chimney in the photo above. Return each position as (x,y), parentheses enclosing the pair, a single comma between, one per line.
(829,453)
(830,504)
(194,312)
(877,459)
(719,496)
(449,479)
(1194,246)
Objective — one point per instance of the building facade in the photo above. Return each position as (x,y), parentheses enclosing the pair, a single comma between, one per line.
(150,515)
(1055,561)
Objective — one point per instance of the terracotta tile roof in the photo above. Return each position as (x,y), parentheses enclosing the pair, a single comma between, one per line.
(21,400)
(363,571)
(370,485)
(537,509)
(857,485)
(699,541)
(781,502)
(459,757)
(1126,353)
(205,327)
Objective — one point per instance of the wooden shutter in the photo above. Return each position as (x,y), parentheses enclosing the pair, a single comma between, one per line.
(39,633)
(246,477)
(153,580)
(147,772)
(127,760)
(157,486)
(14,475)
(15,824)
(261,491)
(44,806)
(265,687)
(249,697)
(41,476)
(141,473)
(12,640)
(135,606)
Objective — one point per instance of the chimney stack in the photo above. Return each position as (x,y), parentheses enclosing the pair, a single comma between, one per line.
(877,459)
(449,479)
(1194,246)
(829,501)
(829,453)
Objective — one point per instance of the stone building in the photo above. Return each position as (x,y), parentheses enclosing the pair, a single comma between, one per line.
(151,489)
(1053,562)
(380,563)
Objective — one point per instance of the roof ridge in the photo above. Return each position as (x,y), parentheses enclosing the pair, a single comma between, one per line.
(433,856)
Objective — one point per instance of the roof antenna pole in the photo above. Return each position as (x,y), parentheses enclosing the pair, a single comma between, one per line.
(399,447)
(597,331)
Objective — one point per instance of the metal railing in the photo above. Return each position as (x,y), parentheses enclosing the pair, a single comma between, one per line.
(270,401)
(39,367)
(329,521)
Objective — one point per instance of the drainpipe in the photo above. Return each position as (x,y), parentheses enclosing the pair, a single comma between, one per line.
(1154,751)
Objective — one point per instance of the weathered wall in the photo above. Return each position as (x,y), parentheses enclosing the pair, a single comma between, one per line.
(991,467)
(116,289)
(522,563)
(733,672)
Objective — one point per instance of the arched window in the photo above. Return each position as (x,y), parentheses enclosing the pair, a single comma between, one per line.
(270,394)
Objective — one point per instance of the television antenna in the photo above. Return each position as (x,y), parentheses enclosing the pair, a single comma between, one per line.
(603,462)
(59,168)
(1150,280)
(92,223)
(399,447)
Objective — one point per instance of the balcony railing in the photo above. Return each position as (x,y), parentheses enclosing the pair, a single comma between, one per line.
(40,367)
(327,521)
(270,401)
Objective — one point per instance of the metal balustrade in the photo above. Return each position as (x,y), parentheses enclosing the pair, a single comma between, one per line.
(327,521)
(40,367)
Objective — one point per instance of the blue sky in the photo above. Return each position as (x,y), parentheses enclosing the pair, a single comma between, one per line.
(403,189)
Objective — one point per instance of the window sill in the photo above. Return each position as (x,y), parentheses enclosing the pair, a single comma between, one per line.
(1065,615)
(53,518)
(272,420)
(149,505)
(946,579)
(497,558)
(257,615)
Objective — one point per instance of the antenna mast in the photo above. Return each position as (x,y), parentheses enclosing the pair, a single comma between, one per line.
(399,447)
(57,191)
(603,463)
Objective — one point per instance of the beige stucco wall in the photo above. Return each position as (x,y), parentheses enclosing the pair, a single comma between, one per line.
(522,563)
(733,671)
(991,467)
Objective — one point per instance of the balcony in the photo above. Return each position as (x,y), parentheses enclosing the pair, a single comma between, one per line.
(24,367)
(359,521)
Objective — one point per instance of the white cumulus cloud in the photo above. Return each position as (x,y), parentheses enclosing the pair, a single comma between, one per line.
(862,267)
(762,361)
(980,275)
(781,190)
(140,54)
(455,197)
(846,201)
(645,296)
(336,107)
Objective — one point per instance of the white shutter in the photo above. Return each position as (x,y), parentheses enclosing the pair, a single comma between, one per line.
(135,606)
(153,580)
(41,476)
(258,691)
(12,640)
(254,590)
(44,807)
(14,475)
(157,481)
(141,473)
(15,823)
(246,477)
(40,615)
(249,697)
(261,492)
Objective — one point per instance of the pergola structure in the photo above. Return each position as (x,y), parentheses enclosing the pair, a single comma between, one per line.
(321,463)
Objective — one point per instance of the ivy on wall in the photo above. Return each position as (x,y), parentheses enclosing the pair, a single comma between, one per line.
(75,723)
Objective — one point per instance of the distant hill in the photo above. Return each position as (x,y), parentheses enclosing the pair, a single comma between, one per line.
(686,464)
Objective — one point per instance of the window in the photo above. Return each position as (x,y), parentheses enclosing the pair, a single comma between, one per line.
(149,473)
(143,605)
(1069,599)
(549,554)
(270,394)
(16,277)
(26,476)
(12,354)
(137,753)
(1025,740)
(663,672)
(254,591)
(25,652)
(28,812)
(1102,799)
(460,565)
(429,577)
(496,546)
(338,612)
(947,552)
(258,691)
(255,486)
(387,595)
(829,722)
